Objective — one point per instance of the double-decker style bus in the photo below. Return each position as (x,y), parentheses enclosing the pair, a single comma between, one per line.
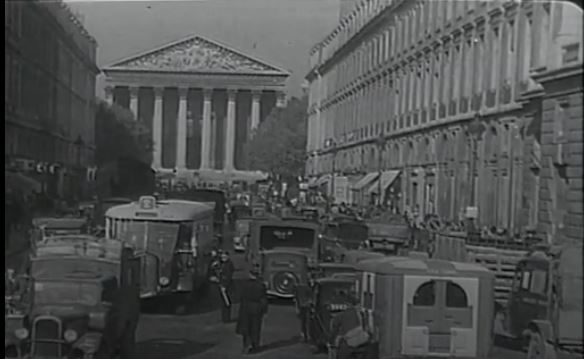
(173,237)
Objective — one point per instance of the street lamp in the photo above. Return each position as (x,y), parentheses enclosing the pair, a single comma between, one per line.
(380,141)
(333,145)
(475,129)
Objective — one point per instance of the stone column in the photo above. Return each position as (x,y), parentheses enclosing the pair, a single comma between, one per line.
(109,95)
(255,111)
(134,101)
(228,163)
(181,133)
(206,130)
(157,128)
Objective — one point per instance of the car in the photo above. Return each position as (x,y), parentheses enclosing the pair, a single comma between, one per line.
(85,302)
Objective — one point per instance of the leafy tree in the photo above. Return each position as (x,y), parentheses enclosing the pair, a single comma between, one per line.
(279,144)
(119,136)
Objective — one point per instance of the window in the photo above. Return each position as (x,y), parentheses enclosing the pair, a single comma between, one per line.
(455,296)
(525,278)
(425,295)
(538,282)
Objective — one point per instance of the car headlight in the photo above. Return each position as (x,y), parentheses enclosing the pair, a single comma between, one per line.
(164,281)
(21,333)
(70,335)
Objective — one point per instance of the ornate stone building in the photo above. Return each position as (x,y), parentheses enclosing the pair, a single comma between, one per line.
(49,89)
(444,92)
(202,99)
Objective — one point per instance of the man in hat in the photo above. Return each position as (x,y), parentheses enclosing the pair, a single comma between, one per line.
(225,285)
(302,301)
(253,307)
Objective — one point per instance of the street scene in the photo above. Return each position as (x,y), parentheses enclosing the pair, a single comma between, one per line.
(339,179)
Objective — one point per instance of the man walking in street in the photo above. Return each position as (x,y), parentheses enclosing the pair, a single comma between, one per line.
(225,286)
(302,300)
(253,307)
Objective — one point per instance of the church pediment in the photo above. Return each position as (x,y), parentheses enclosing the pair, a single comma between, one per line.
(196,54)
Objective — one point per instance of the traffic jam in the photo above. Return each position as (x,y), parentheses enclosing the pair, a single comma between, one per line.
(361,287)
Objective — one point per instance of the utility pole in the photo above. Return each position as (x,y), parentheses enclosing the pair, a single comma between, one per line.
(334,170)
(475,129)
(380,146)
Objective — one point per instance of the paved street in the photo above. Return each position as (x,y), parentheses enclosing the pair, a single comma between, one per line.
(201,335)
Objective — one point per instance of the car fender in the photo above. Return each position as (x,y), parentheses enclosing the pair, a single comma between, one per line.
(91,339)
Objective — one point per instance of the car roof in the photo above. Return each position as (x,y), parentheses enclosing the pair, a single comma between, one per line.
(60,223)
(401,265)
(288,223)
(169,210)
(336,280)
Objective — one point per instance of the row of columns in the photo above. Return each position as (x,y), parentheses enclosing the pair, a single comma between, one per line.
(206,132)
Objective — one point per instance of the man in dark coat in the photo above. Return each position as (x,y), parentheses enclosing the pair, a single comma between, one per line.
(253,307)
(303,299)
(225,286)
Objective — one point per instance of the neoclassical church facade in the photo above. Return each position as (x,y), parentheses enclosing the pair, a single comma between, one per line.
(202,100)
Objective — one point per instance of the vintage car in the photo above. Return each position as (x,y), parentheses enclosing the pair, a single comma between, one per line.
(545,303)
(174,239)
(427,308)
(85,302)
(331,296)
(388,238)
(286,250)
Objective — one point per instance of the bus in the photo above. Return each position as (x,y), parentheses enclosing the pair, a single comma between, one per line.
(173,238)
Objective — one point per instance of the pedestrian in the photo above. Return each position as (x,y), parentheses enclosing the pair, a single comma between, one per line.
(253,307)
(225,285)
(302,301)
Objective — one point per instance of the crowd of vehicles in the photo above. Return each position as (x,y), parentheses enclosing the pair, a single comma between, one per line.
(414,304)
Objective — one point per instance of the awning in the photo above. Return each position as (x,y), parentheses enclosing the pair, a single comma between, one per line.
(369,177)
(322,180)
(387,178)
(312,182)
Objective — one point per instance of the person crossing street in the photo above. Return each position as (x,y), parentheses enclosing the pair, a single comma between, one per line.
(225,284)
(253,308)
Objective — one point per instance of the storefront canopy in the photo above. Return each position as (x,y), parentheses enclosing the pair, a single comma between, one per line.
(387,178)
(367,179)
(322,180)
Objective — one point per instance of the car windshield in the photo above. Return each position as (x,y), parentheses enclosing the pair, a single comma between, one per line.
(335,293)
(67,293)
(352,234)
(276,236)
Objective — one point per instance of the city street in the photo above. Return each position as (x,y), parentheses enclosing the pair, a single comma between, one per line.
(202,335)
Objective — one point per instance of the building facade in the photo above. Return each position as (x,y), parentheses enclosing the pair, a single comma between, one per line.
(49,89)
(446,93)
(202,99)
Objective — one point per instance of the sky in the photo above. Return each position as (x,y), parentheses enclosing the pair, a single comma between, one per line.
(280,32)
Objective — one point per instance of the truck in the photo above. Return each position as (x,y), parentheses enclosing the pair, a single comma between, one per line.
(84,301)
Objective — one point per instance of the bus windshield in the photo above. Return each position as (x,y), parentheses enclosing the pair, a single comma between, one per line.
(66,292)
(154,235)
(275,236)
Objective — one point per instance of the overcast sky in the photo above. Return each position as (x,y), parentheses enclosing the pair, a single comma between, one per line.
(278,31)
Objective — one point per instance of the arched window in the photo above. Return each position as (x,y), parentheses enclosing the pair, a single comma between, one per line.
(425,295)
(455,296)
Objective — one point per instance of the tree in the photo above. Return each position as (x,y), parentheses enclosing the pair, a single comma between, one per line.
(119,136)
(279,145)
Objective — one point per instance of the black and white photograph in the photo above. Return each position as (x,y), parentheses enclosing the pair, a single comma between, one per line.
(294,179)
